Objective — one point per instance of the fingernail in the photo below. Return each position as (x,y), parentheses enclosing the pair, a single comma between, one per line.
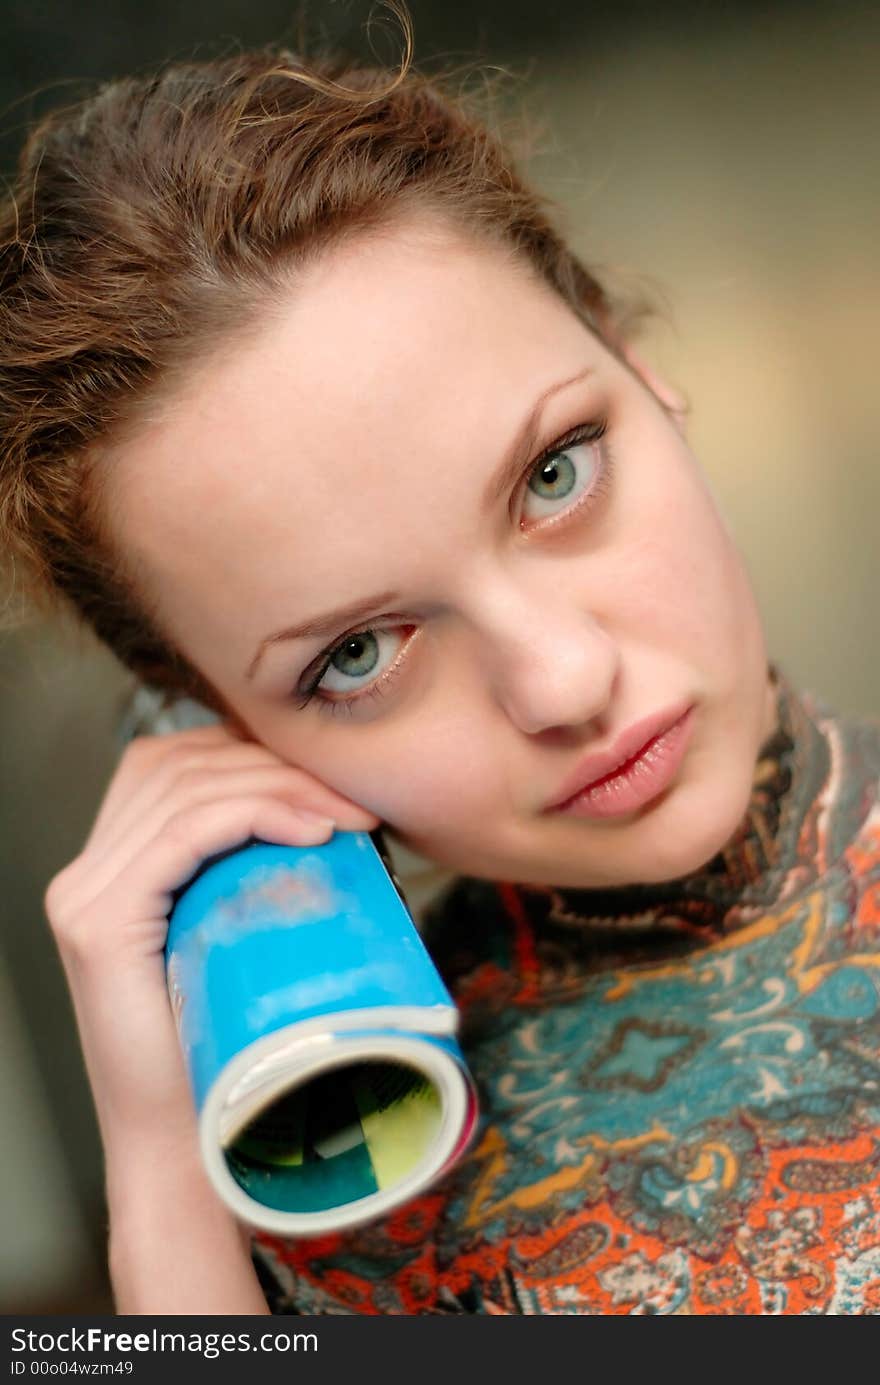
(319,819)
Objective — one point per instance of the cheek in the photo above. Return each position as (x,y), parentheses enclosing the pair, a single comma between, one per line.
(683,576)
(418,776)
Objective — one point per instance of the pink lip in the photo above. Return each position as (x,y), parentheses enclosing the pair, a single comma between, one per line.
(645,757)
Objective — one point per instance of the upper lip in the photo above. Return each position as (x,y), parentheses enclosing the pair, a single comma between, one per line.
(624,747)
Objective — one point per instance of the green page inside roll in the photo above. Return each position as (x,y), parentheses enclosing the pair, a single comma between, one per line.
(350,1132)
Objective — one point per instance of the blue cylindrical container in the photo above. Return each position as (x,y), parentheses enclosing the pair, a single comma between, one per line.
(318,1035)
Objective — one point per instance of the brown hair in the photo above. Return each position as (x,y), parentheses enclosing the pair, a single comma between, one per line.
(153,219)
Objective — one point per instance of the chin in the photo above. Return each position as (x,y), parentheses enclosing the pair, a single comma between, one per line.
(679,834)
(700,823)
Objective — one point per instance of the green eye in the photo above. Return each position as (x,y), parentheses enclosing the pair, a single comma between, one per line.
(554,478)
(358,664)
(361,651)
(557,481)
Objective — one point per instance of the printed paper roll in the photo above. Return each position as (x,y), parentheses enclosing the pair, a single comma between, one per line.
(318,1035)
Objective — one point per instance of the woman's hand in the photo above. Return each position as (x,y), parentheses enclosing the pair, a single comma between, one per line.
(173,801)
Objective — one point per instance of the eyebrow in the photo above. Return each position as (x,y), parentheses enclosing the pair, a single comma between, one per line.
(519,452)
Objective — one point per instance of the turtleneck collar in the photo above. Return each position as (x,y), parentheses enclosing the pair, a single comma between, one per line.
(780,846)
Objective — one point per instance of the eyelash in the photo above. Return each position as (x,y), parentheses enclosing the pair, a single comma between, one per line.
(584,432)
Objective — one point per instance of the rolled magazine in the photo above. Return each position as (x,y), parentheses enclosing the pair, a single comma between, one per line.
(318,1036)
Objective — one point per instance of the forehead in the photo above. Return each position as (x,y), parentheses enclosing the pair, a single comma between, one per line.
(396,358)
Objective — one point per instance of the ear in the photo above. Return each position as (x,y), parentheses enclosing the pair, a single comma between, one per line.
(668,396)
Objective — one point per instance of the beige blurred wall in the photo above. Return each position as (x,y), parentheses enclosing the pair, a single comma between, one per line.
(740,176)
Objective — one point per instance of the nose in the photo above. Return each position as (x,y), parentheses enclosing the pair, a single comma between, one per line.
(549,662)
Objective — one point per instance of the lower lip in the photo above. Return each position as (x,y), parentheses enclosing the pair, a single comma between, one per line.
(638,782)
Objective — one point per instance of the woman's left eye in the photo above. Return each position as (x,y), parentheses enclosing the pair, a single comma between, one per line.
(358,656)
(560,477)
(356,668)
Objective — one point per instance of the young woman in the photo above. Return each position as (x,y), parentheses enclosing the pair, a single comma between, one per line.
(310,412)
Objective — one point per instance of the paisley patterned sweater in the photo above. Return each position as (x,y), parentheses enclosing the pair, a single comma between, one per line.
(679,1083)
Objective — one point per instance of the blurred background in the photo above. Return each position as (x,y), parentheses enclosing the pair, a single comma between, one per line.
(723,155)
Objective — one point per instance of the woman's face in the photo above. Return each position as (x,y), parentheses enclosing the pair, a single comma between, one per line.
(510,621)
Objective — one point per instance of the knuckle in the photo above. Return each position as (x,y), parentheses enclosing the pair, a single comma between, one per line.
(308,791)
(178,752)
(53,896)
(61,916)
(305,797)
(78,940)
(139,758)
(188,775)
(179,829)
(143,749)
(59,889)
(191,748)
(69,938)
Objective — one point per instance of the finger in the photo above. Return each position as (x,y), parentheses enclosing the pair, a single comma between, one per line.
(141,756)
(154,774)
(147,868)
(186,778)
